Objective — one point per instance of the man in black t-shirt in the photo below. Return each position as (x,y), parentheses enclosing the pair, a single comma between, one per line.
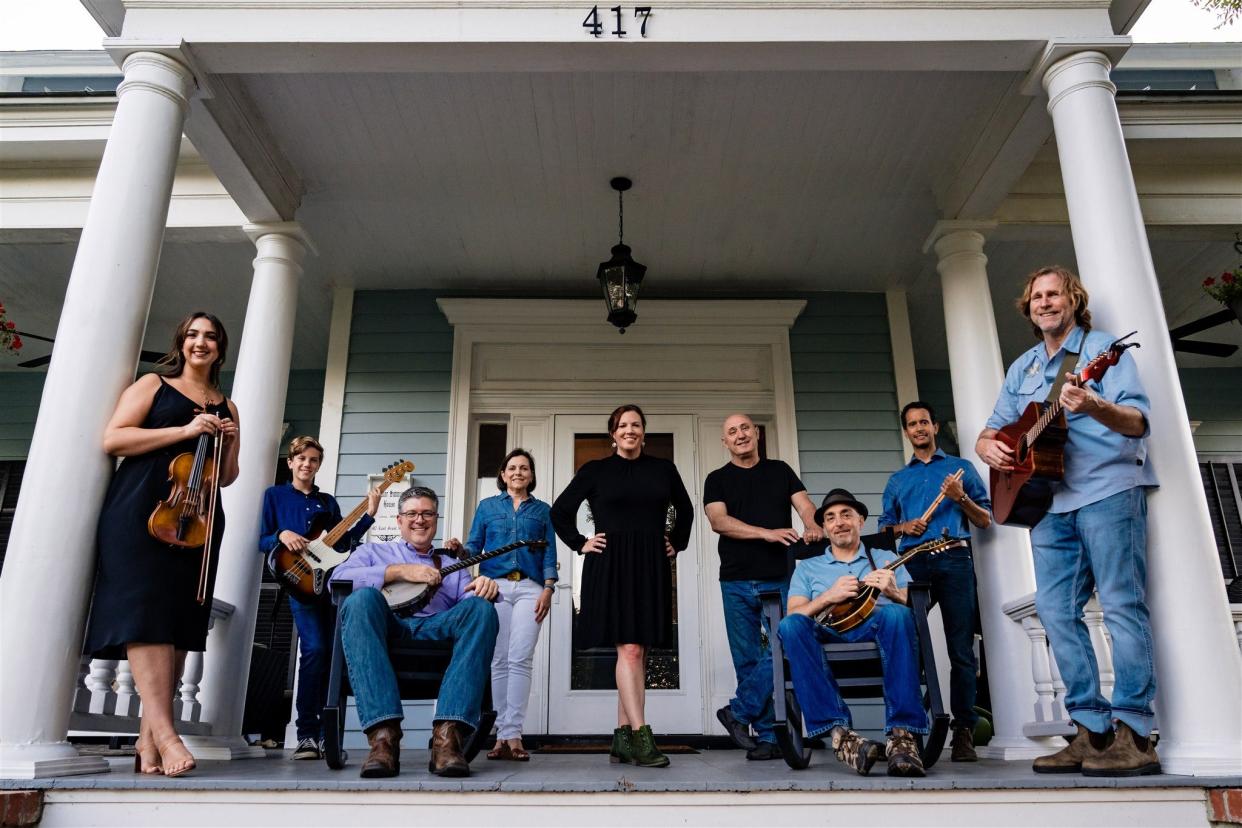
(747,501)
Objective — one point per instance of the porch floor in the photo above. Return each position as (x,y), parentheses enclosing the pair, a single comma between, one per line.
(706,771)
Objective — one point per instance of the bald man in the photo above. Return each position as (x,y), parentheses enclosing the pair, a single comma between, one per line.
(748,502)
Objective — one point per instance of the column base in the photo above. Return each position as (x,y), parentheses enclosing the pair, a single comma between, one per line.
(1199,758)
(222,747)
(1018,747)
(43,761)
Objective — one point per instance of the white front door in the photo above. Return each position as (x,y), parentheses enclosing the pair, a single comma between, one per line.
(582,695)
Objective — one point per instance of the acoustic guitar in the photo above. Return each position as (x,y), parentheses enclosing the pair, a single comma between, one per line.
(405,598)
(1022,497)
(304,573)
(849,614)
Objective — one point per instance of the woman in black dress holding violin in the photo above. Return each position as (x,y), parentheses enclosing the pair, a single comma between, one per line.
(627,585)
(145,607)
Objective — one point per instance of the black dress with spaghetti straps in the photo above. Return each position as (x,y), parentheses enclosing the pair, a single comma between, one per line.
(145,590)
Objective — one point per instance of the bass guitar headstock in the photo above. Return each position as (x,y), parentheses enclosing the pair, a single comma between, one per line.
(398,470)
(1109,357)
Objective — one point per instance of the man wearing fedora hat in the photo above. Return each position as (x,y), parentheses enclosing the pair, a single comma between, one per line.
(832,578)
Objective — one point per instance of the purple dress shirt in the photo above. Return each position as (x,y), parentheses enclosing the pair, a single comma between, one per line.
(365,568)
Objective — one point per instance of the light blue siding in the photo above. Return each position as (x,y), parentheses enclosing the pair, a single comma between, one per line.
(396,390)
(845,396)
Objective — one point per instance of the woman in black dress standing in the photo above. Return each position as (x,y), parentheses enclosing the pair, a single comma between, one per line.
(145,607)
(627,585)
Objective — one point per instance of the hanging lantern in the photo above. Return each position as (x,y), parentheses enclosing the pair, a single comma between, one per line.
(620,277)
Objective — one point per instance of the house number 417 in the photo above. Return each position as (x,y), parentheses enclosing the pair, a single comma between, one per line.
(595,27)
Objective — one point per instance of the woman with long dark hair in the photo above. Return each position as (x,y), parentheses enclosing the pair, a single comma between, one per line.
(627,584)
(145,607)
(526,578)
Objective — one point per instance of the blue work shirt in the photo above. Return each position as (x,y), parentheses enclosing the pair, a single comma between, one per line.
(814,576)
(497,523)
(284,507)
(1099,462)
(911,490)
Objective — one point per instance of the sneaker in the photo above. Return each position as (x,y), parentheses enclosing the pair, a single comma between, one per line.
(964,745)
(739,732)
(307,748)
(853,751)
(903,754)
(764,751)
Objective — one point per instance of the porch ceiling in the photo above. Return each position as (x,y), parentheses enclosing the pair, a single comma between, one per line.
(742,180)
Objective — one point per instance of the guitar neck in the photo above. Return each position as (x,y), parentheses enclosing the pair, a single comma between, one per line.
(923,547)
(483,556)
(338,531)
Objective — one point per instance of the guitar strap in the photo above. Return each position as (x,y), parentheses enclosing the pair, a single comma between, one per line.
(1067,364)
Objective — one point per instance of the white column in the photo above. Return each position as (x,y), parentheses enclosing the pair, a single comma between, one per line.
(259,388)
(1200,717)
(1002,554)
(902,342)
(97,341)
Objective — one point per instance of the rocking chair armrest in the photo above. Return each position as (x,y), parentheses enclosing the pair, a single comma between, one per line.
(340,590)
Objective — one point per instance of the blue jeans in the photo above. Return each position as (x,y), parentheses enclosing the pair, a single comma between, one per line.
(367,625)
(314,622)
(1100,547)
(891,626)
(752,658)
(951,575)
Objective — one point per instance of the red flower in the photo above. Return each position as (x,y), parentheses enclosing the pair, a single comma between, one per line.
(17,343)
(1209,281)
(10,325)
(1227,278)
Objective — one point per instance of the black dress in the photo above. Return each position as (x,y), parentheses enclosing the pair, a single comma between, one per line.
(627,590)
(145,590)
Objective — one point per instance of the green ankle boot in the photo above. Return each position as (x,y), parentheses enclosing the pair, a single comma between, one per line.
(645,752)
(622,746)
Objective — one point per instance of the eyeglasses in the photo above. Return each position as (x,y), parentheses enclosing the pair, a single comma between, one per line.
(423,515)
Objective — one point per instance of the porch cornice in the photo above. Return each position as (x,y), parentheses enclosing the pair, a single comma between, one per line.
(683,313)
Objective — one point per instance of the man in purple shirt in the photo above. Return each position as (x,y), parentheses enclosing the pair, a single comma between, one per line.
(460,611)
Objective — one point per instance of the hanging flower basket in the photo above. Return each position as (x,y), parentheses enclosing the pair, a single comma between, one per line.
(10,342)
(1226,289)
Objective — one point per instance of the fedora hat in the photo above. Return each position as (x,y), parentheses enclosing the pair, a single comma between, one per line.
(839,496)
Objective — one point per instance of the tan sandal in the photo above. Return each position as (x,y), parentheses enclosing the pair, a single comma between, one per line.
(502,751)
(181,768)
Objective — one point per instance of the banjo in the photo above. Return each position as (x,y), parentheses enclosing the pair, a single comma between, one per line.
(405,598)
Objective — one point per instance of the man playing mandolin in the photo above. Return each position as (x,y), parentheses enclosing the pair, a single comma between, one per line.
(834,578)
(460,611)
(1095,533)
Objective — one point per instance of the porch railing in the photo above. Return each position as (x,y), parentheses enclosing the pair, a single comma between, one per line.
(1051,718)
(107,700)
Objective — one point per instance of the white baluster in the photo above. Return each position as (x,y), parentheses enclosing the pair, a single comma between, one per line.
(1041,668)
(187,706)
(82,690)
(1102,643)
(128,702)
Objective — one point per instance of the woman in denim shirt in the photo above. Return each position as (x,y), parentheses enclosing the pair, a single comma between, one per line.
(527,578)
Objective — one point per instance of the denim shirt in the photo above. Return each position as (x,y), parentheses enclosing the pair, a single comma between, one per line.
(1099,462)
(497,523)
(911,490)
(814,576)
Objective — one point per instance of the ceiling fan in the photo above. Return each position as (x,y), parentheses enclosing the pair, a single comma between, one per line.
(38,362)
(1216,349)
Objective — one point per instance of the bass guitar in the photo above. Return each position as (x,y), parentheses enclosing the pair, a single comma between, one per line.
(1022,496)
(405,598)
(849,614)
(305,572)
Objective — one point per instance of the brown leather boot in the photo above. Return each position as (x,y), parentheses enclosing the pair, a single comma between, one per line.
(446,750)
(1129,755)
(1069,759)
(384,760)
(964,745)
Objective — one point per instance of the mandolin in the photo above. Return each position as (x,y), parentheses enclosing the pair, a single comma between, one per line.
(849,614)
(1023,496)
(405,598)
(304,573)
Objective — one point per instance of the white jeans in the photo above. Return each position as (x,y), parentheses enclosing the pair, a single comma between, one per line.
(515,649)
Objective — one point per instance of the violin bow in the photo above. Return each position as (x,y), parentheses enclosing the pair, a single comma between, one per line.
(217,454)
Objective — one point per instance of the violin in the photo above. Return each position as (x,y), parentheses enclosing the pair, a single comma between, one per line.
(186,518)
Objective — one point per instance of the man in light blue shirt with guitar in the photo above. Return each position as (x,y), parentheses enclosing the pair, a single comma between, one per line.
(1094,535)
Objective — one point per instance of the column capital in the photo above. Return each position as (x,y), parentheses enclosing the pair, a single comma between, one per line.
(1081,70)
(1112,48)
(960,232)
(288,229)
(158,73)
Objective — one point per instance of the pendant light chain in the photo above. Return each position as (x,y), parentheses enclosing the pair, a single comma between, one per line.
(620,217)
